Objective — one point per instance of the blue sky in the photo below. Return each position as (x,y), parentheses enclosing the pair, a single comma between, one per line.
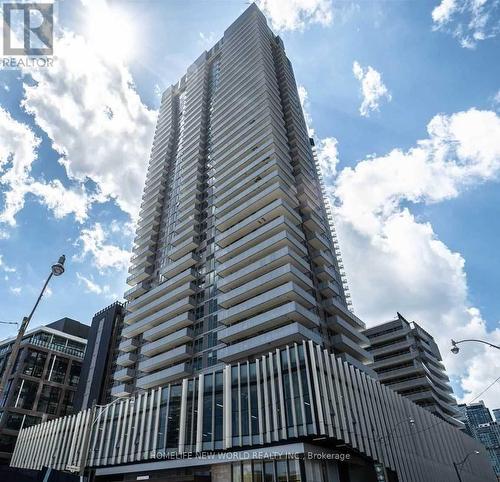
(403,99)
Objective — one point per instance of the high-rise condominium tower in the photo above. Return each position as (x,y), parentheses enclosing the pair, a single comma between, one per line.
(238,339)
(234,254)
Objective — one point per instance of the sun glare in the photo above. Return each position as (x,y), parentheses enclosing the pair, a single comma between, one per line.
(111,31)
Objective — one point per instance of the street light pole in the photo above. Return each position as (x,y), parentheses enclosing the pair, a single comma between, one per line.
(460,464)
(57,269)
(455,349)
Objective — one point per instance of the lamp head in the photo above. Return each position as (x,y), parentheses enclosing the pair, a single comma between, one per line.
(454,347)
(58,268)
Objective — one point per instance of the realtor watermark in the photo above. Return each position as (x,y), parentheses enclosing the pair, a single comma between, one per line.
(252,455)
(27,34)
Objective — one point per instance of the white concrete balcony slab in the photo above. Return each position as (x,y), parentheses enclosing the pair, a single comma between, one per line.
(122,390)
(168,358)
(124,375)
(255,162)
(292,333)
(165,343)
(387,376)
(139,256)
(391,348)
(321,258)
(245,178)
(265,248)
(187,223)
(183,277)
(277,190)
(145,239)
(128,345)
(269,320)
(262,233)
(177,252)
(181,264)
(336,306)
(168,298)
(318,241)
(162,377)
(143,264)
(189,232)
(325,273)
(188,211)
(263,283)
(278,258)
(277,209)
(126,359)
(343,343)
(393,361)
(159,317)
(275,297)
(329,288)
(339,325)
(141,275)
(259,186)
(135,292)
(168,327)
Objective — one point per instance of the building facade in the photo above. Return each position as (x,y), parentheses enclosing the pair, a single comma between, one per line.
(407,359)
(496,414)
(44,378)
(100,357)
(480,425)
(239,358)
(297,414)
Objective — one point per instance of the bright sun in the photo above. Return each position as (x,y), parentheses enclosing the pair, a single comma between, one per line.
(110,30)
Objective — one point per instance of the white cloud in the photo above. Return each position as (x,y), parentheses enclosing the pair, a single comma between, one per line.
(88,106)
(91,286)
(18,152)
(327,148)
(410,269)
(15,290)
(207,40)
(4,267)
(328,157)
(372,88)
(304,102)
(469,21)
(496,99)
(296,14)
(105,256)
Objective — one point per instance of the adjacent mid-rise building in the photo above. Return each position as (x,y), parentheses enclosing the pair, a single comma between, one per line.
(496,414)
(407,359)
(480,425)
(100,357)
(43,380)
(239,357)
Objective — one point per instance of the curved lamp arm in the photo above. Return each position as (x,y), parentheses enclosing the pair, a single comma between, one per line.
(455,349)
(476,452)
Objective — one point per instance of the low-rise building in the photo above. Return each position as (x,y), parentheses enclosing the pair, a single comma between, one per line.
(44,378)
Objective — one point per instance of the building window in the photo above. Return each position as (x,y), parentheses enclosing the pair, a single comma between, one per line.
(67,404)
(25,394)
(34,363)
(57,369)
(7,443)
(211,358)
(74,374)
(49,400)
